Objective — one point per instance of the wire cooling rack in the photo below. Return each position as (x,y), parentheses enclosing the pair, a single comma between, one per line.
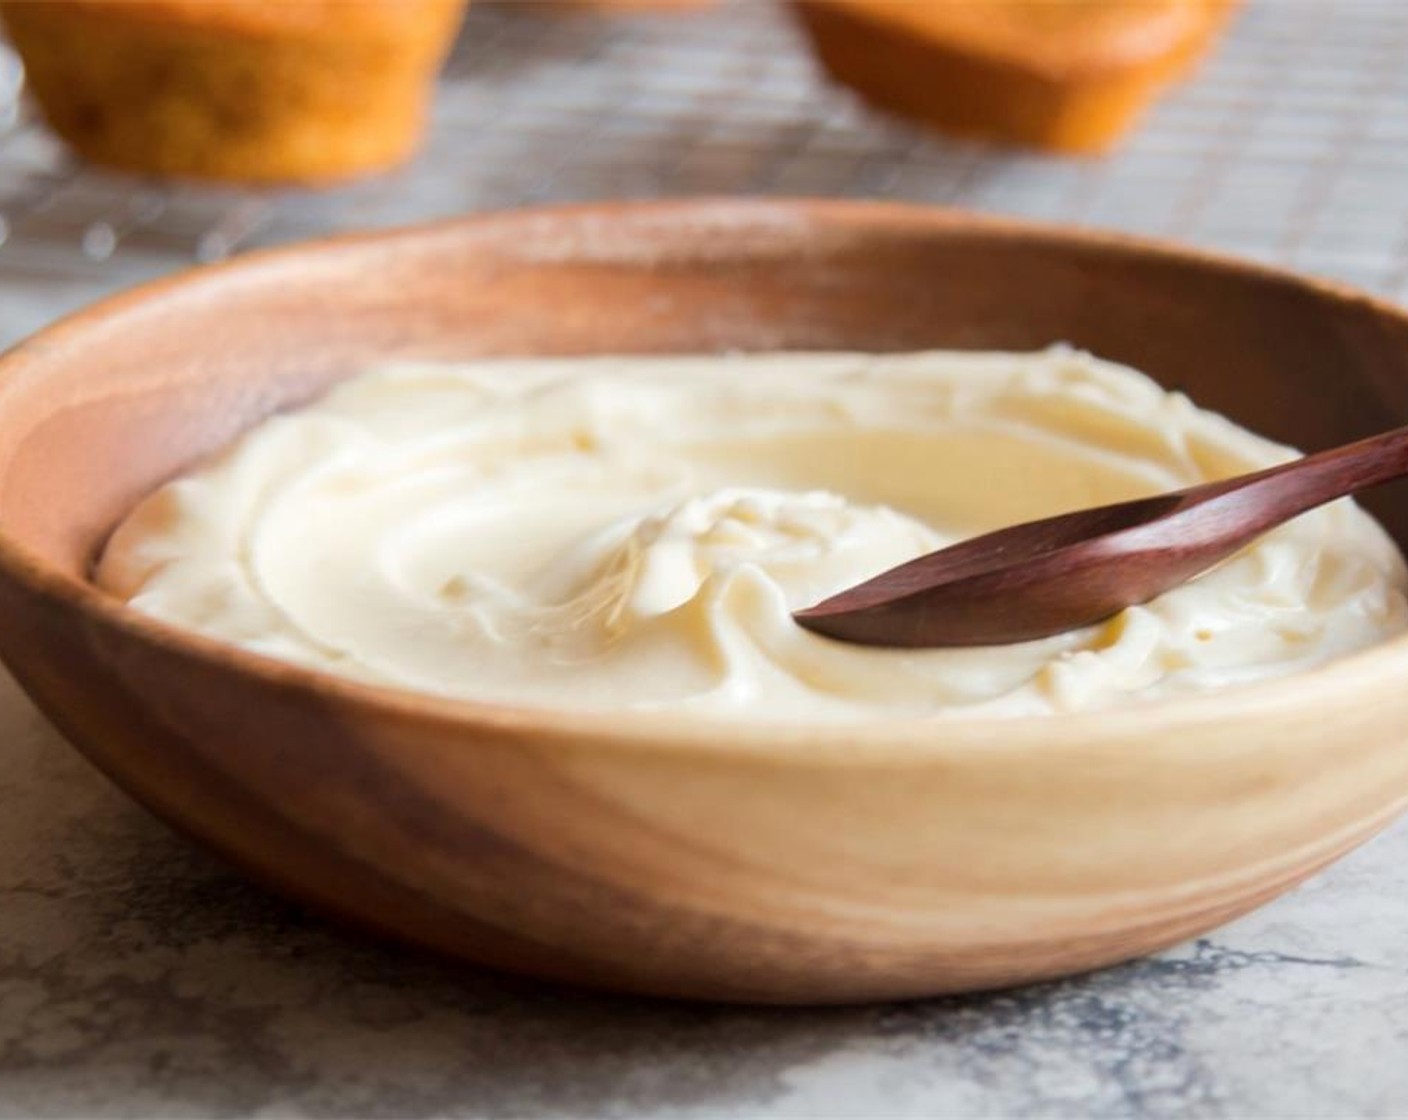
(1290,145)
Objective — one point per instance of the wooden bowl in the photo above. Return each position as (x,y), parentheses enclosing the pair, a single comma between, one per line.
(731,861)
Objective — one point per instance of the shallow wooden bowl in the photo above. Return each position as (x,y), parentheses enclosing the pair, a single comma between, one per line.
(658,854)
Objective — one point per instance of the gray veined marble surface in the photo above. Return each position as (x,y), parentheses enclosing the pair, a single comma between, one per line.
(140,978)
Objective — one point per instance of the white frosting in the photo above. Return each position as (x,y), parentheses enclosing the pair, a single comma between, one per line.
(633,533)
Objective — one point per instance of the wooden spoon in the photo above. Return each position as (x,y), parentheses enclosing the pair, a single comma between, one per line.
(1044,577)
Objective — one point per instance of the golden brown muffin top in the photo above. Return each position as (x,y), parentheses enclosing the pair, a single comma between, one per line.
(1056,37)
(267,17)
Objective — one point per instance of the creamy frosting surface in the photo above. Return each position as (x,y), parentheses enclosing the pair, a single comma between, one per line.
(634,532)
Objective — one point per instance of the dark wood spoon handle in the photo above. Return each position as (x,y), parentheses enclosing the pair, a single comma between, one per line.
(1039,578)
(1263,500)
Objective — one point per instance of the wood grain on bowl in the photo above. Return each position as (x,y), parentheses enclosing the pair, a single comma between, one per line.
(722,860)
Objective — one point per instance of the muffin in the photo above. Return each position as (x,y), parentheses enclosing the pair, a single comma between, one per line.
(293,90)
(1064,75)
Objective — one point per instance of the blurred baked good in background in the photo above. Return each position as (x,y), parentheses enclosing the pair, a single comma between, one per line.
(627,6)
(1064,75)
(310,91)
(292,90)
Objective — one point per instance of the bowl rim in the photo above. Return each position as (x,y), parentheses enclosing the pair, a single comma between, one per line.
(899,739)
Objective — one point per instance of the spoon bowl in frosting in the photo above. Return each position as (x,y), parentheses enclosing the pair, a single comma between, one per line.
(452,705)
